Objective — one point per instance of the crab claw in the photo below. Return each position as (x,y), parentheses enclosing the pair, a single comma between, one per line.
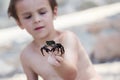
(62,50)
(44,48)
(53,49)
(42,51)
(59,48)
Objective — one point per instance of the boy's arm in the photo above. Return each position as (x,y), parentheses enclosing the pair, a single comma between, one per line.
(68,64)
(86,68)
(28,71)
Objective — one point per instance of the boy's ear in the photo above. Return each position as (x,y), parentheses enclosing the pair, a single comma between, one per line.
(55,12)
(19,24)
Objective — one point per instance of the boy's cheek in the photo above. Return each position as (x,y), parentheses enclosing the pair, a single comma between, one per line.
(19,24)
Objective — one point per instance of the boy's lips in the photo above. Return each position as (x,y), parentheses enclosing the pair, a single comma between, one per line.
(38,28)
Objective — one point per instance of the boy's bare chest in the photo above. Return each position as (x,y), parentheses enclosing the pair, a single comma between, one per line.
(41,67)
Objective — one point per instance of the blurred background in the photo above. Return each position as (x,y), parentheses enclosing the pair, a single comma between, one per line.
(96,22)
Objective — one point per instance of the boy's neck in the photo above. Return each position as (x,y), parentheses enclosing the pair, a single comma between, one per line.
(41,42)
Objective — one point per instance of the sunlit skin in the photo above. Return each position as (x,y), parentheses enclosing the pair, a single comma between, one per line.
(36,17)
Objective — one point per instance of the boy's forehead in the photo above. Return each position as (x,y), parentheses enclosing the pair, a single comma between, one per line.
(30,4)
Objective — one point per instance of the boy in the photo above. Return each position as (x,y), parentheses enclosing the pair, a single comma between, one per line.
(36,17)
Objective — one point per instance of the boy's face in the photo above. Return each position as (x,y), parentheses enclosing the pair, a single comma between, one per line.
(36,16)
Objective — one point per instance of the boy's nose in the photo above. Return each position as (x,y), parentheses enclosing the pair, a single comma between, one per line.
(37,18)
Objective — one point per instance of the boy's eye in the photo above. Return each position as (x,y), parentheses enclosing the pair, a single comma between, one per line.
(42,13)
(28,17)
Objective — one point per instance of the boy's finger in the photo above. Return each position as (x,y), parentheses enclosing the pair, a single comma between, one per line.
(59,59)
(53,61)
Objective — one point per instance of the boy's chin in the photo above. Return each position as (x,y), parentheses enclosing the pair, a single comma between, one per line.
(41,36)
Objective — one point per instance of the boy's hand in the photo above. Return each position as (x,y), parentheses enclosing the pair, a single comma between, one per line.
(55,51)
(55,60)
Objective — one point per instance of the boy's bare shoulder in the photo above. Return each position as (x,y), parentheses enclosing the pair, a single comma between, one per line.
(67,32)
(69,36)
(25,53)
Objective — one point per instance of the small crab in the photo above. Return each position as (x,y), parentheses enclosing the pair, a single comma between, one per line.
(53,46)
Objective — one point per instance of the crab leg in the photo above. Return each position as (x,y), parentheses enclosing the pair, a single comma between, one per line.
(44,48)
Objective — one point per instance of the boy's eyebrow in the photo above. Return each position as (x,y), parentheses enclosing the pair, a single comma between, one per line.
(26,13)
(42,9)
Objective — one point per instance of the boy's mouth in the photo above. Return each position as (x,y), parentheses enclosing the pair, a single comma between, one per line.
(39,28)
